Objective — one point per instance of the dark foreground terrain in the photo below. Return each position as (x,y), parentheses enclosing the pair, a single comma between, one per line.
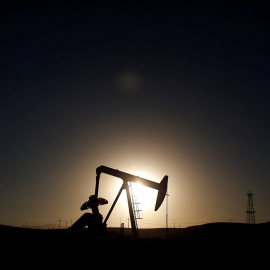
(214,243)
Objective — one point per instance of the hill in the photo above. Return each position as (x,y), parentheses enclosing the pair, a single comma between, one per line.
(219,240)
(211,231)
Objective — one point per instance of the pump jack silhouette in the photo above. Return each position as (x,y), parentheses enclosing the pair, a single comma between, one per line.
(94,220)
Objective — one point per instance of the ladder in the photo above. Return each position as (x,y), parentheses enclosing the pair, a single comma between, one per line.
(136,205)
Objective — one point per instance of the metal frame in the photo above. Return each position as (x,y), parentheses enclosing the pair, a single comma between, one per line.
(161,187)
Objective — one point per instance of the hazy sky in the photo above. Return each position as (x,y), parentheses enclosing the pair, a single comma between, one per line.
(152,90)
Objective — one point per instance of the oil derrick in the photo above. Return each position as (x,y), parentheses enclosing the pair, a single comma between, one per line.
(250,209)
(137,211)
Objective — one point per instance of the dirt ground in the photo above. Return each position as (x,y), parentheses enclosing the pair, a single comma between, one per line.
(215,244)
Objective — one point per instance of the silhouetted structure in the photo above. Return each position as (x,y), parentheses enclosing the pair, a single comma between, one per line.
(94,221)
(135,206)
(122,229)
(250,209)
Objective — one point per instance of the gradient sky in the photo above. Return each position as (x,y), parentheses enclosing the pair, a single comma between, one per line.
(151,90)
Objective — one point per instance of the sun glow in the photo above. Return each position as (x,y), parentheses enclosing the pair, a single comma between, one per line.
(145,196)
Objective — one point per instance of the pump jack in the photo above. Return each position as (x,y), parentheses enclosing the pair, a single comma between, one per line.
(94,221)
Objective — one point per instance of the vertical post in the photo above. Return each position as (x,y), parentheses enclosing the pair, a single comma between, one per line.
(97,184)
(131,214)
(122,229)
(167,229)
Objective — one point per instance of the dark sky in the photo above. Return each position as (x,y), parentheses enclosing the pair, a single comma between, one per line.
(164,89)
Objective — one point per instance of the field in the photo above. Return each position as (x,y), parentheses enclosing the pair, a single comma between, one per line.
(220,241)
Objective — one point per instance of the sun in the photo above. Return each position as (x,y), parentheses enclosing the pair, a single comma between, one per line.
(144,196)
